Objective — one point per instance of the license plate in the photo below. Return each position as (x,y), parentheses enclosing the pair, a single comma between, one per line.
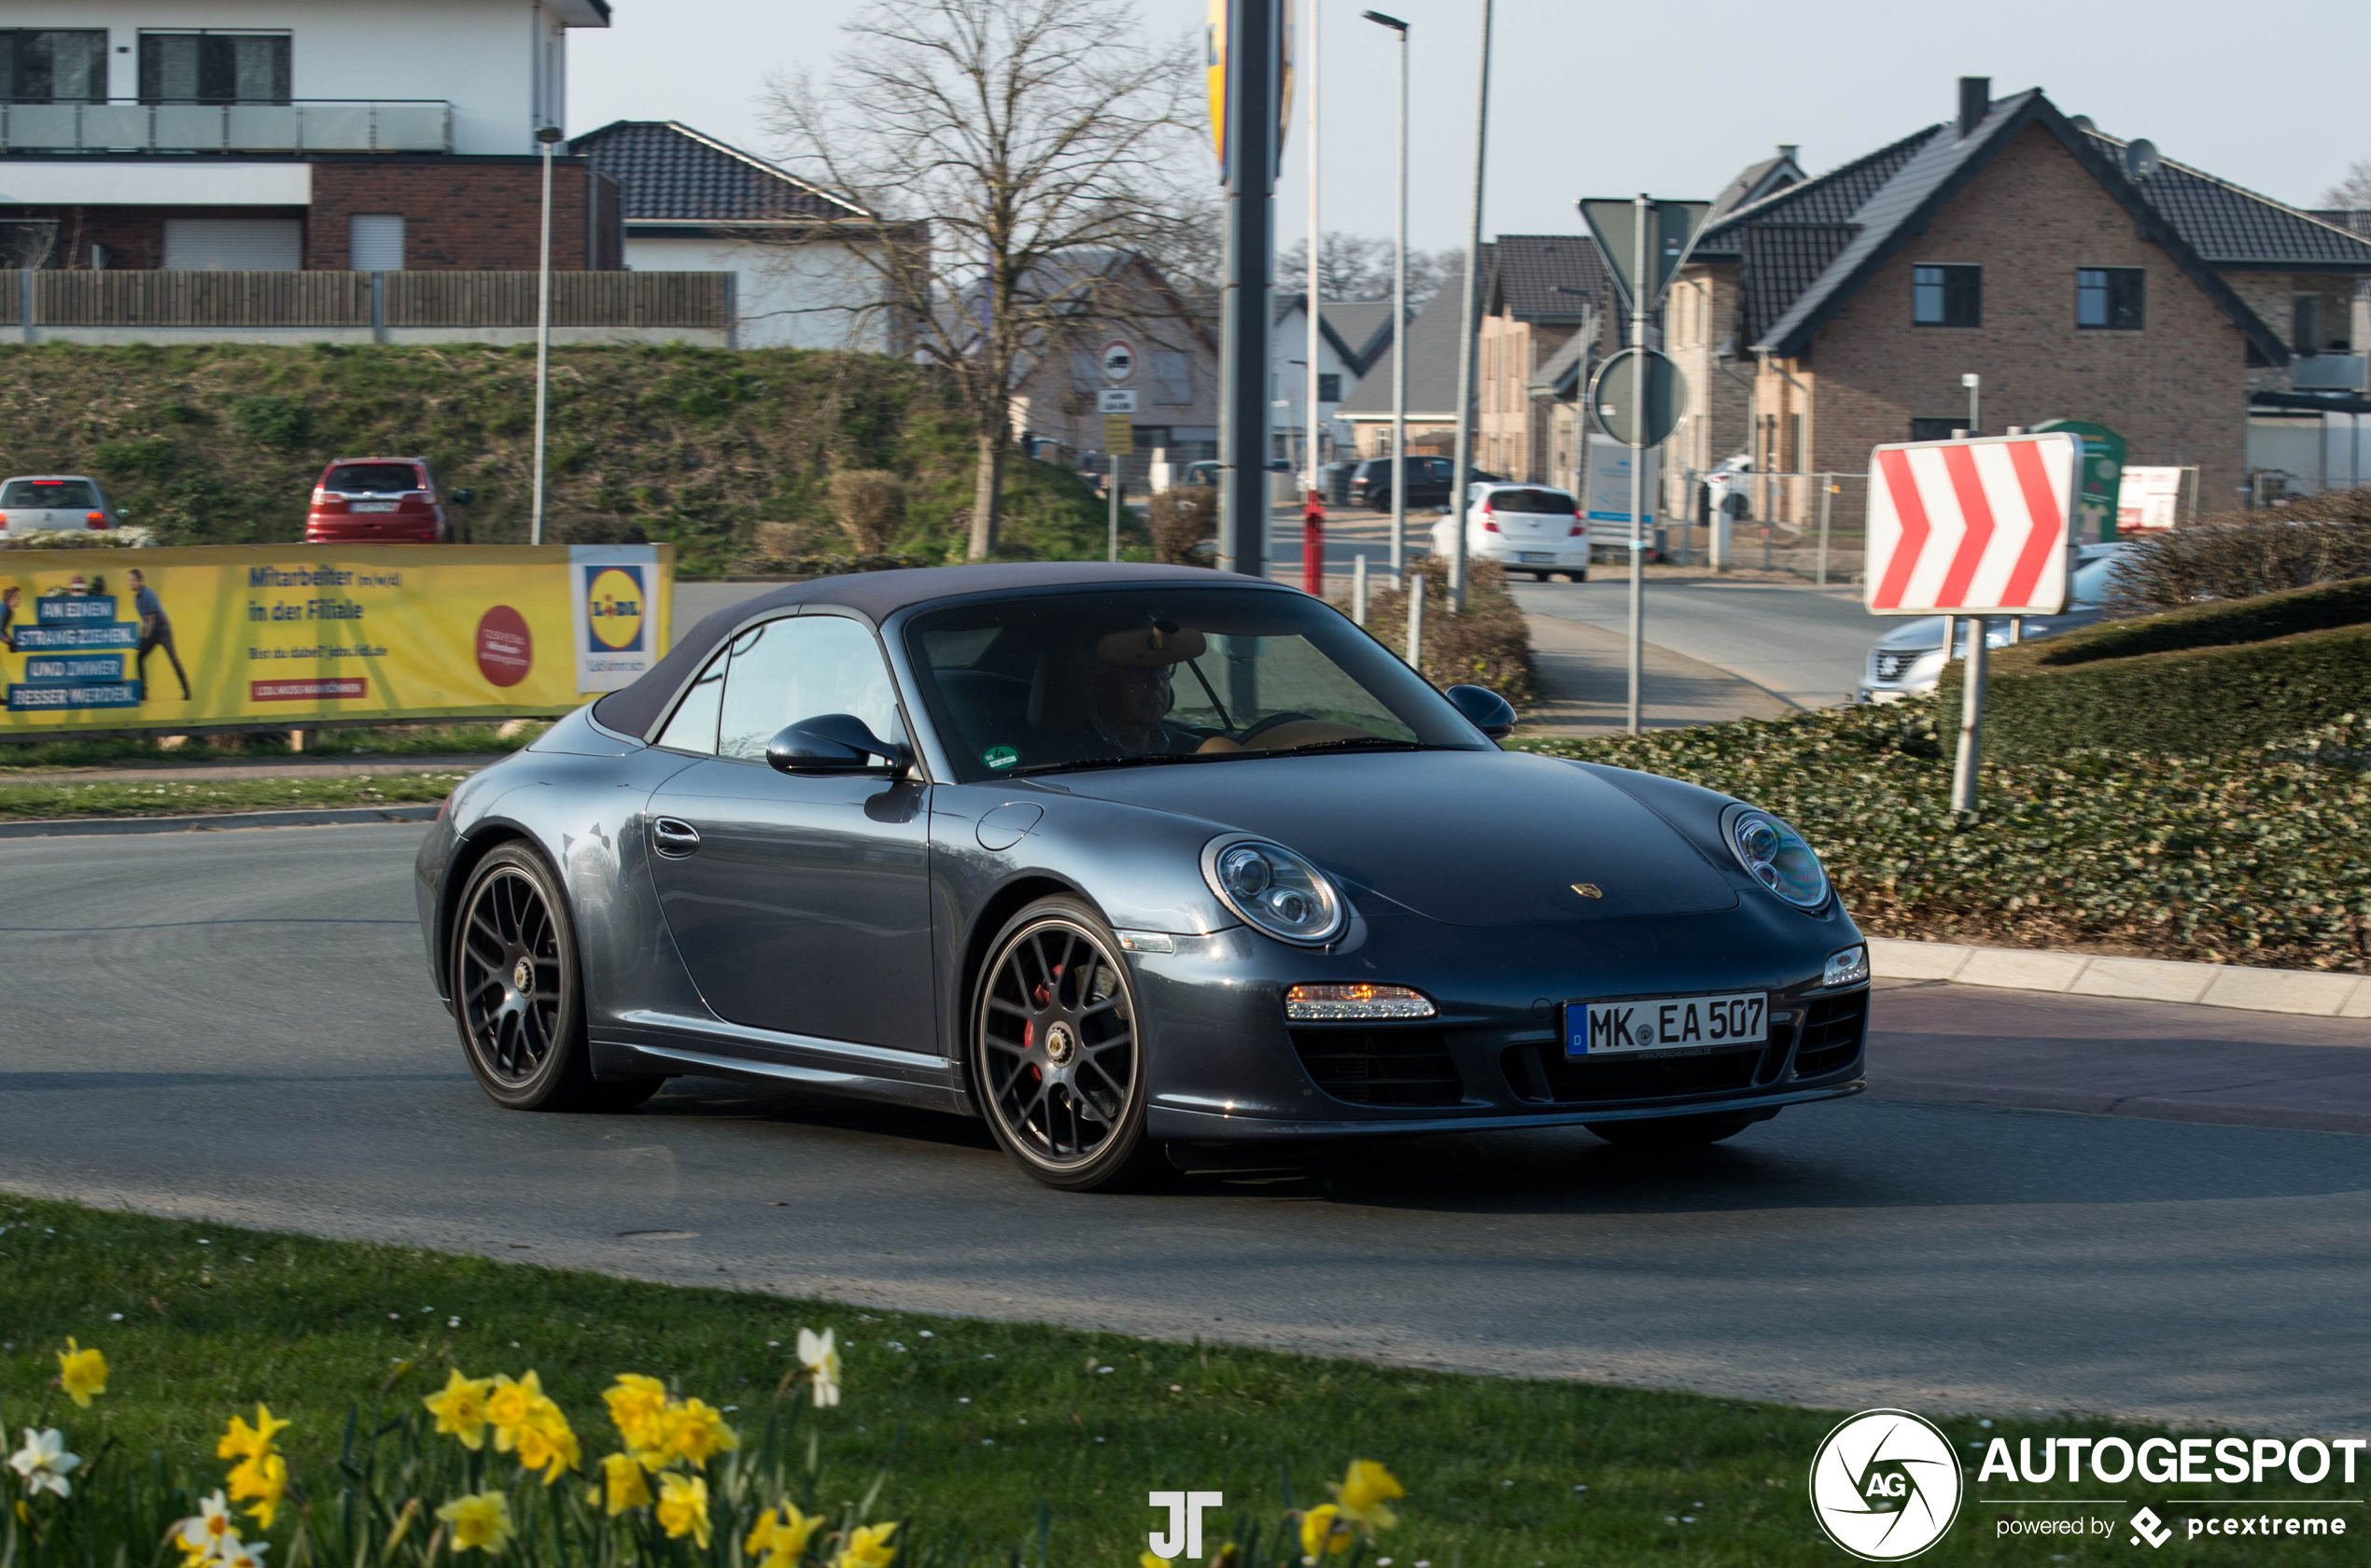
(1535,555)
(374,506)
(1596,1028)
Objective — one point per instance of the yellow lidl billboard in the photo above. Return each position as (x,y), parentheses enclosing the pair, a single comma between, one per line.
(271,634)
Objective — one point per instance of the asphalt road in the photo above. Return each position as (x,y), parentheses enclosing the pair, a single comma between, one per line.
(1808,645)
(237,1025)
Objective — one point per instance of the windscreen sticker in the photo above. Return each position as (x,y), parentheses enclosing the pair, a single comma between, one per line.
(999,757)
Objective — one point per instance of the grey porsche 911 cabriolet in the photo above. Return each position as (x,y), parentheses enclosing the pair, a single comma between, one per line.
(1146,865)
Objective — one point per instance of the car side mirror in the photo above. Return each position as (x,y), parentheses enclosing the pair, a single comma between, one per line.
(831,743)
(1484,708)
(122,512)
(463,497)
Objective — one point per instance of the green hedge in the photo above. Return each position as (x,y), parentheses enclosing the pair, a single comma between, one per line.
(2260,856)
(2193,681)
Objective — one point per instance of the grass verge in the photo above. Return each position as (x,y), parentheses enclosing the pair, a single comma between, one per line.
(268,746)
(975,1425)
(177,797)
(2261,856)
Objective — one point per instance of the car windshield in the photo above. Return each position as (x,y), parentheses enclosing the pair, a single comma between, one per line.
(1048,682)
(1531,500)
(71,493)
(2093,579)
(373,479)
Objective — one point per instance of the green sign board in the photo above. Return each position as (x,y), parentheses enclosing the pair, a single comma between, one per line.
(2103,477)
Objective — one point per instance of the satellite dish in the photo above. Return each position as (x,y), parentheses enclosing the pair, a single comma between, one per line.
(2083,123)
(2141,159)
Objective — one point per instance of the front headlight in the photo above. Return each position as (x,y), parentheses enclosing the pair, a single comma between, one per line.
(1776,856)
(1274,889)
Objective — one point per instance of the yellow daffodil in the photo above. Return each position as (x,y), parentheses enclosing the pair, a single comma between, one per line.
(696,1431)
(868,1548)
(684,1508)
(242,1441)
(262,1480)
(779,1537)
(1323,1530)
(1363,1493)
(546,1442)
(203,1533)
(636,1408)
(1152,1560)
(817,1353)
(44,1463)
(509,1405)
(459,1409)
(621,1484)
(479,1520)
(81,1373)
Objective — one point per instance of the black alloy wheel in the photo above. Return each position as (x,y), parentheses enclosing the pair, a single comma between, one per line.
(516,993)
(1058,1058)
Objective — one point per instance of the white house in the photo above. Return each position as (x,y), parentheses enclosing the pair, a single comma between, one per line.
(1352,335)
(695,203)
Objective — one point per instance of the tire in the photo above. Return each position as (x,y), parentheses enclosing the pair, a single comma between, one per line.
(1577,576)
(1541,577)
(1056,1051)
(1671,1132)
(525,1043)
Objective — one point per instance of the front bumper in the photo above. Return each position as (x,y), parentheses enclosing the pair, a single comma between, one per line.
(1227,1066)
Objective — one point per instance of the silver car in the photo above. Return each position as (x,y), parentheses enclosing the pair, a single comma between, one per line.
(1908,660)
(55,503)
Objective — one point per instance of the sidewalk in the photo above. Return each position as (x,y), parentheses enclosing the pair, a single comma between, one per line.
(1583,676)
(1941,1043)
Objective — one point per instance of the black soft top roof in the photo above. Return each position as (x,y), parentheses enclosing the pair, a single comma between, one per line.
(637,710)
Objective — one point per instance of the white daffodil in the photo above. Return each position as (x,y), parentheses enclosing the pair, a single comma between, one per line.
(210,1530)
(242,1554)
(822,1363)
(44,1462)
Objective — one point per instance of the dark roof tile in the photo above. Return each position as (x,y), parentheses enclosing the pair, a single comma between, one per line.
(667,171)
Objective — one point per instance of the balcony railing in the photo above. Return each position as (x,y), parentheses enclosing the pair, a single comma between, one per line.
(306,125)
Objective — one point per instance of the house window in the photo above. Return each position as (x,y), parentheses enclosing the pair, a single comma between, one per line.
(375,242)
(1936,429)
(1330,388)
(2107,299)
(1946,296)
(53,64)
(214,67)
(234,245)
(2304,323)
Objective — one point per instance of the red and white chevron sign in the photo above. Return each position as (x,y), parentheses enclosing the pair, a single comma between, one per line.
(1971,527)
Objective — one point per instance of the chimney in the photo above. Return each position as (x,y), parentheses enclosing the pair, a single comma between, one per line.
(1787,150)
(1975,102)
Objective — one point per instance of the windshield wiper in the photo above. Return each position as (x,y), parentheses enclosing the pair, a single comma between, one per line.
(1358,743)
(1150,758)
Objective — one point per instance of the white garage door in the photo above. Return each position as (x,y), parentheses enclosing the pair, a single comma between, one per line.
(234,245)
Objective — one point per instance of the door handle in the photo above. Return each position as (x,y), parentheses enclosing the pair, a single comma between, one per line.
(673,838)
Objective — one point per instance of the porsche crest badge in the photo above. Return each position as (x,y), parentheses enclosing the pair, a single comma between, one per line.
(1589,890)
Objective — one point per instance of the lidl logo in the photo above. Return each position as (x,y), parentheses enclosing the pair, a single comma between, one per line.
(614,609)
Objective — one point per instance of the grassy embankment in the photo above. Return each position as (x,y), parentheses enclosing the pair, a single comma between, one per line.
(974,1425)
(220,443)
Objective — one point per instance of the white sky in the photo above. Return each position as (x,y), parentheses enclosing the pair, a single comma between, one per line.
(1673,99)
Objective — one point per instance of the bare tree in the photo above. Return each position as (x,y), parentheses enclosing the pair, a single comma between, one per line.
(1358,267)
(1037,139)
(2352,192)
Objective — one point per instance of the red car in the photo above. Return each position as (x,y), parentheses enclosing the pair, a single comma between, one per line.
(376,500)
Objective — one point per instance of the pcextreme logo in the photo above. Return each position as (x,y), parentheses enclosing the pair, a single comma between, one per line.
(1885,1485)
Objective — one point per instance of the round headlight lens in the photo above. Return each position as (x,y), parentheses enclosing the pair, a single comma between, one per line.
(1776,856)
(1275,890)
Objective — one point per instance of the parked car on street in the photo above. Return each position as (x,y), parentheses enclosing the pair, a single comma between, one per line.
(1535,528)
(1144,866)
(377,500)
(55,503)
(1908,660)
(1427,482)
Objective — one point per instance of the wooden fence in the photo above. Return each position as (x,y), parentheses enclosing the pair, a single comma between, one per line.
(369,301)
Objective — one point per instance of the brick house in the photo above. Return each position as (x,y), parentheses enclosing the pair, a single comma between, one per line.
(2078,276)
(246,136)
(1548,314)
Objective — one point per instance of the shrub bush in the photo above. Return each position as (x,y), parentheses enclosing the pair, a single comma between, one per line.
(2316,539)
(1181,519)
(869,505)
(2208,677)
(1487,646)
(2255,857)
(595,528)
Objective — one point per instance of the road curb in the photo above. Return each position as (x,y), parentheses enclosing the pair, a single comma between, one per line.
(86,827)
(2256,990)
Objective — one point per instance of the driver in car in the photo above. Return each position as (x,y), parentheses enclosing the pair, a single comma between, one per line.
(1127,681)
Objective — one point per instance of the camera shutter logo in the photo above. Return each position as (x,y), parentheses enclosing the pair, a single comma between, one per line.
(1886,1485)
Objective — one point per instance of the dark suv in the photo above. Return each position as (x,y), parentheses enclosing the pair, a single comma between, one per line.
(1428,482)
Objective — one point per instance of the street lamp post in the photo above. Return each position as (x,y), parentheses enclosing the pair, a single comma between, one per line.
(1463,461)
(547,136)
(1399,322)
(1308,409)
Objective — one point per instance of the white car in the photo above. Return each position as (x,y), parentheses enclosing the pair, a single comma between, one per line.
(1534,529)
(54,503)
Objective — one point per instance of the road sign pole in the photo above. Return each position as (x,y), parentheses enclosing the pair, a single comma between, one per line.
(1115,490)
(1638,298)
(1963,772)
(1462,462)
(1827,494)
(1251,101)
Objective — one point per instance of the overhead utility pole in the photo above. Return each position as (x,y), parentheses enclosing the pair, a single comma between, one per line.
(1310,410)
(1399,324)
(1250,57)
(1463,461)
